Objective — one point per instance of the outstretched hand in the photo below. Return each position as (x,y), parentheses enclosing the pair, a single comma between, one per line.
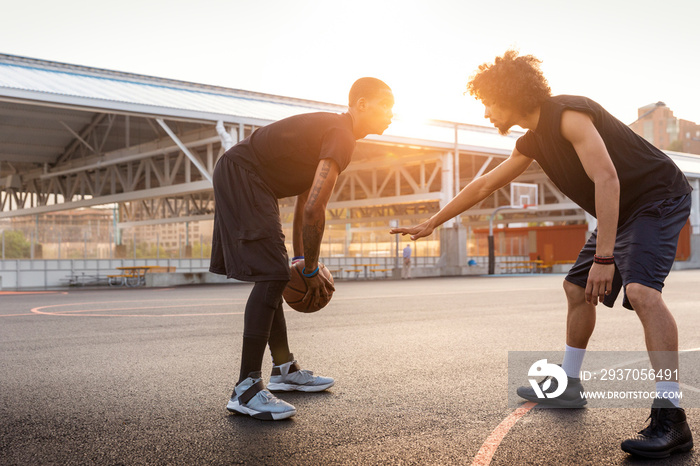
(419,231)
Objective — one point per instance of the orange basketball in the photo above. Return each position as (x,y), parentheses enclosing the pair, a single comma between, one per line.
(296,289)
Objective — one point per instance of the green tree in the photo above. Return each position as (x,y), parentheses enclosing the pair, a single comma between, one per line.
(201,250)
(149,251)
(144,251)
(16,245)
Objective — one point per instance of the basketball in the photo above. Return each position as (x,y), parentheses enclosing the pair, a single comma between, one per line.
(296,289)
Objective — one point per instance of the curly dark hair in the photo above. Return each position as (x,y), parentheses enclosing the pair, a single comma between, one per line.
(512,81)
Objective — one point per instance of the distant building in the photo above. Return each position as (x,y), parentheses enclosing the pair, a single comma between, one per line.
(171,236)
(656,124)
(67,226)
(89,233)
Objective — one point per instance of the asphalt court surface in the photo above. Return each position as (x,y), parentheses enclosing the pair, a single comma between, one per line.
(142,376)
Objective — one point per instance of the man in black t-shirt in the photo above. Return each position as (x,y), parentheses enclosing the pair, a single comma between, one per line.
(298,156)
(641,201)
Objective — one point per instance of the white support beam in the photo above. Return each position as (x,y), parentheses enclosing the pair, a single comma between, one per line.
(695,206)
(447,183)
(483,167)
(77,136)
(162,221)
(407,176)
(402,161)
(553,189)
(390,200)
(226,139)
(183,148)
(457,184)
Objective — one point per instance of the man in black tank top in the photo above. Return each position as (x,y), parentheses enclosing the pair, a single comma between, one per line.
(298,156)
(641,201)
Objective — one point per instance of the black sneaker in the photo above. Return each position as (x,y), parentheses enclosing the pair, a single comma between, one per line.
(571,398)
(667,433)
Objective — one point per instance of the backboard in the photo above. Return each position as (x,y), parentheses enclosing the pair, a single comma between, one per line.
(523,195)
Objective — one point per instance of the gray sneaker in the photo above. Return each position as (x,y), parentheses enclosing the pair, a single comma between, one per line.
(289,376)
(250,397)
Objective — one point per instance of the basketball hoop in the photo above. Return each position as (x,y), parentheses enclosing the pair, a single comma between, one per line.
(523,196)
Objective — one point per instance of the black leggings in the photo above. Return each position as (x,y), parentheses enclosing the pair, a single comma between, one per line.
(264,323)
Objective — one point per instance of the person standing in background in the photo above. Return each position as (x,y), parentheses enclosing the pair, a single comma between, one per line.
(406,270)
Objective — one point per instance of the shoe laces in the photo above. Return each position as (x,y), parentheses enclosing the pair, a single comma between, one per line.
(267,397)
(650,430)
(305,375)
(658,425)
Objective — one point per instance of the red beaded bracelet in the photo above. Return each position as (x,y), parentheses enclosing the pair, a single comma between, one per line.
(605,260)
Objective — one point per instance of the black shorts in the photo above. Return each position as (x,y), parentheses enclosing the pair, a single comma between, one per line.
(248,243)
(645,248)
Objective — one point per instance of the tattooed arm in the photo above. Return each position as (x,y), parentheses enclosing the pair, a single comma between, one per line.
(297,239)
(314,222)
(315,210)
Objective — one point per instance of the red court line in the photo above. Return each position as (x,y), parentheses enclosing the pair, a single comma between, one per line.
(43,310)
(141,308)
(27,292)
(483,457)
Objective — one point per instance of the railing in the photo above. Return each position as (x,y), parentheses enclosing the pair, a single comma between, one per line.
(54,273)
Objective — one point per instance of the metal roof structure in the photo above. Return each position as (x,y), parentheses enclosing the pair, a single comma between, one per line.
(80,86)
(75,136)
(65,86)
(66,93)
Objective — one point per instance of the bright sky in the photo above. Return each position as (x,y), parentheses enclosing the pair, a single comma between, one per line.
(623,54)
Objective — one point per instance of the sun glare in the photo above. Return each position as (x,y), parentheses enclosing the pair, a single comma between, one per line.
(416,106)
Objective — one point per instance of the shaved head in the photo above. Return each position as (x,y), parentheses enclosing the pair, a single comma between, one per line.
(367,88)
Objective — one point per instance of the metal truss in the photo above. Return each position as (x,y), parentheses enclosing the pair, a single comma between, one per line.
(152,211)
(158,166)
(159,171)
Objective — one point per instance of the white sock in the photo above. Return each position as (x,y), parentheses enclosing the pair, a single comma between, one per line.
(669,390)
(573,360)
